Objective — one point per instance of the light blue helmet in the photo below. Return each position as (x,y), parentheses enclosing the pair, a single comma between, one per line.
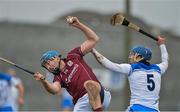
(48,55)
(146,53)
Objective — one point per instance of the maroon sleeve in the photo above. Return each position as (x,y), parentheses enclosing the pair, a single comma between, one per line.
(58,79)
(76,52)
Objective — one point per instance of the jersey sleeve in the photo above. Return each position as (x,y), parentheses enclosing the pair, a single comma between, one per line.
(18,80)
(76,52)
(58,79)
(121,68)
(14,81)
(164,59)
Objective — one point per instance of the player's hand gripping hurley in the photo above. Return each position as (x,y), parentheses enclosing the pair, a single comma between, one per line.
(118,19)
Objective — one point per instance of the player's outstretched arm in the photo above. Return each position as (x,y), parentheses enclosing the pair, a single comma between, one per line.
(164,54)
(122,68)
(53,88)
(92,38)
(20,88)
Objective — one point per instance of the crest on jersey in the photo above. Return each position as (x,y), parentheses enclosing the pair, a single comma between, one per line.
(70,63)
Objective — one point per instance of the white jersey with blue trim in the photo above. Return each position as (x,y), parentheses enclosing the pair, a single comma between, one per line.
(6,81)
(145,83)
(144,80)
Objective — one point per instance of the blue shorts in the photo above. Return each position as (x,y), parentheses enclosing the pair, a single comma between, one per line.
(67,103)
(138,107)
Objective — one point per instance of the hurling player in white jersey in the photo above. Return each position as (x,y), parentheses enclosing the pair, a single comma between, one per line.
(144,78)
(6,101)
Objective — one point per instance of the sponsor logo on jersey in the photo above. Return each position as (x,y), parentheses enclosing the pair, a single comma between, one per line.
(72,73)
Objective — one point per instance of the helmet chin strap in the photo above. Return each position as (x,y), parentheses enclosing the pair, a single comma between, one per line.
(137,58)
(59,65)
(58,70)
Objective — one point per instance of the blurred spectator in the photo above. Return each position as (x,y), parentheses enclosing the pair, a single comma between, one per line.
(17,90)
(6,82)
(66,102)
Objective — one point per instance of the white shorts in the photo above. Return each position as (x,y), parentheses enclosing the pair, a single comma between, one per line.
(83,102)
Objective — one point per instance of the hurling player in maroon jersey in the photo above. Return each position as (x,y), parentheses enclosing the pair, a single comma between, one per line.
(73,74)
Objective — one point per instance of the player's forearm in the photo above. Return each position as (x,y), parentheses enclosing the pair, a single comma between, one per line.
(49,87)
(164,53)
(90,34)
(21,91)
(97,56)
(164,57)
(102,60)
(122,68)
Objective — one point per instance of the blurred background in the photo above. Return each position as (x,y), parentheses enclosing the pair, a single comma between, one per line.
(28,28)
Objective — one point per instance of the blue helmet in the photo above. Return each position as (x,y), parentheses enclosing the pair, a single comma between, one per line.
(48,55)
(146,53)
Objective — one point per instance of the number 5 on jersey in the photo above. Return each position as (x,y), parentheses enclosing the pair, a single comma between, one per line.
(150,82)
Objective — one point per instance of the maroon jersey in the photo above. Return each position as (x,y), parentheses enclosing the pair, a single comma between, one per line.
(74,74)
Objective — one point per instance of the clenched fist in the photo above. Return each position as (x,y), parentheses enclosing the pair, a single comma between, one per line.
(39,76)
